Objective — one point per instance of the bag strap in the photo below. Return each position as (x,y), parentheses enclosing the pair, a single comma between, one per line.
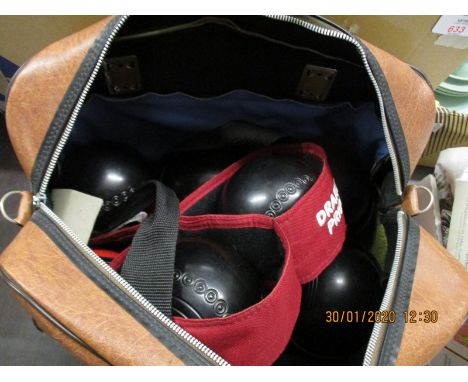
(149,265)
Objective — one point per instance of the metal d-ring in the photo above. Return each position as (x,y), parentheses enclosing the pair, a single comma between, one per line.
(431,199)
(2,206)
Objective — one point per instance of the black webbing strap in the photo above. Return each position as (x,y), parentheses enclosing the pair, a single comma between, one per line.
(149,266)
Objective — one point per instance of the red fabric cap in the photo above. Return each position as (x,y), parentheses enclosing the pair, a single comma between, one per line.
(314,226)
(312,232)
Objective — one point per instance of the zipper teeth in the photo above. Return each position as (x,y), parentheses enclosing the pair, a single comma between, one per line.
(342,36)
(133,292)
(78,106)
(389,293)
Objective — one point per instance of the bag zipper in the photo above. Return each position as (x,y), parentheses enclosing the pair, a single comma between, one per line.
(40,199)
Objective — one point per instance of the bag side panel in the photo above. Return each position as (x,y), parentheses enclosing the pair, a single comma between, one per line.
(35,263)
(440,284)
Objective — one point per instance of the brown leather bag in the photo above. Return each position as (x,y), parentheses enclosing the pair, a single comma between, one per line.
(84,305)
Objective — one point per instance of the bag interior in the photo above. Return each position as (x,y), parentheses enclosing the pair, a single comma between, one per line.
(202,75)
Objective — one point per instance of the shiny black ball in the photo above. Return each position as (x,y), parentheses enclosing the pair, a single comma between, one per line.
(269,185)
(211,279)
(351,283)
(187,170)
(112,173)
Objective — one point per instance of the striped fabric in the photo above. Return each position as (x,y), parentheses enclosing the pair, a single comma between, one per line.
(453,132)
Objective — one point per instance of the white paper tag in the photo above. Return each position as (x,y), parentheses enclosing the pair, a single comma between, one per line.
(452,25)
(78,210)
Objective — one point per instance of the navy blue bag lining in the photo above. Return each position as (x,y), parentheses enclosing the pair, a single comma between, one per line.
(155,124)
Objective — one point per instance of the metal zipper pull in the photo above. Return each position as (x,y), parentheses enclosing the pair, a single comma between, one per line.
(37,199)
